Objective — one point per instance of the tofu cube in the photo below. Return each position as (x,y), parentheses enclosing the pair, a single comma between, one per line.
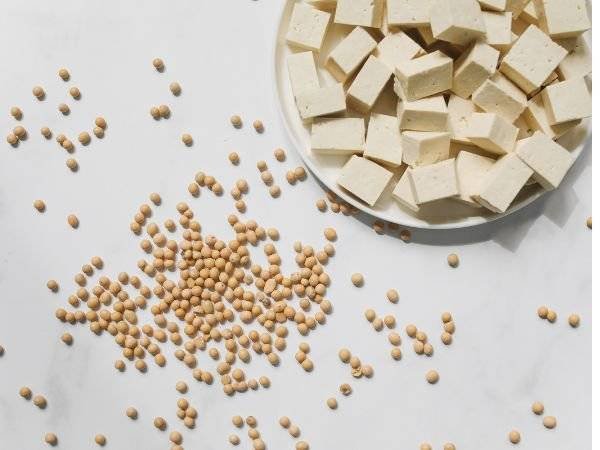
(434,182)
(459,112)
(364,179)
(403,192)
(323,101)
(578,63)
(549,161)
(302,72)
(566,101)
(532,59)
(471,170)
(492,133)
(457,21)
(350,53)
(384,141)
(562,18)
(365,13)
(473,67)
(408,13)
(307,27)
(498,32)
(368,84)
(420,148)
(498,95)
(397,48)
(493,5)
(426,75)
(426,114)
(537,118)
(344,136)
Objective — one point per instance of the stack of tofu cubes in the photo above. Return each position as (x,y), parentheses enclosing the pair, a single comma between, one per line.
(484,89)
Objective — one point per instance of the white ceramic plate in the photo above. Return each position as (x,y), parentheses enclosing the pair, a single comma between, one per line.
(445,214)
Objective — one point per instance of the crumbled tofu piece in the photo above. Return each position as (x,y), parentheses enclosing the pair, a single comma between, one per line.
(426,75)
(503,181)
(537,118)
(566,101)
(364,178)
(498,95)
(350,53)
(457,21)
(434,182)
(302,72)
(549,161)
(578,63)
(459,111)
(366,13)
(532,59)
(344,136)
(498,29)
(562,18)
(529,15)
(474,66)
(384,141)
(307,27)
(396,48)
(516,7)
(471,170)
(426,114)
(408,13)
(368,84)
(493,5)
(403,192)
(327,100)
(492,133)
(424,147)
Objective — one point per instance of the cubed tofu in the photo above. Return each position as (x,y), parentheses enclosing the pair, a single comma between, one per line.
(302,72)
(364,179)
(459,112)
(420,148)
(457,21)
(365,13)
(499,95)
(498,32)
(344,136)
(426,114)
(549,161)
(426,75)
(403,192)
(384,141)
(566,101)
(368,84)
(537,118)
(492,133)
(473,67)
(503,182)
(493,5)
(350,53)
(532,59)
(408,13)
(516,7)
(307,27)
(397,48)
(562,18)
(434,182)
(323,101)
(471,170)
(578,63)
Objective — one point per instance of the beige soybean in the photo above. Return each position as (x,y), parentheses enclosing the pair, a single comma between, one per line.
(84,138)
(175,88)
(25,392)
(158,64)
(345,389)
(160,423)
(344,355)
(302,445)
(39,205)
(234,439)
(16,112)
(432,377)
(100,122)
(20,132)
(549,422)
(51,439)
(75,92)
(330,234)
(45,131)
(39,401)
(514,437)
(453,260)
(537,408)
(72,220)
(357,279)
(332,403)
(294,430)
(100,439)
(258,126)
(187,139)
(64,108)
(64,74)
(131,412)
(38,92)
(72,164)
(574,320)
(236,121)
(12,139)
(588,222)
(164,111)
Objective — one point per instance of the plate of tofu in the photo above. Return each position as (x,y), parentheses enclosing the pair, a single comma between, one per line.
(436,113)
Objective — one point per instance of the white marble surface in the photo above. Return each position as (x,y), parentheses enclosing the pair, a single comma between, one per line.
(503,357)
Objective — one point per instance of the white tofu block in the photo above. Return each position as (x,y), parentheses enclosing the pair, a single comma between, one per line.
(532,59)
(459,112)
(457,21)
(498,32)
(364,179)
(420,148)
(473,67)
(384,141)
(344,136)
(408,13)
(562,18)
(566,101)
(307,27)
(502,183)
(578,63)
(537,118)
(302,72)
(397,48)
(434,182)
(493,5)
(403,192)
(498,95)
(492,133)
(549,161)
(471,170)
(368,84)
(327,100)
(350,53)
(529,15)
(516,7)
(426,114)
(365,13)
(426,75)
